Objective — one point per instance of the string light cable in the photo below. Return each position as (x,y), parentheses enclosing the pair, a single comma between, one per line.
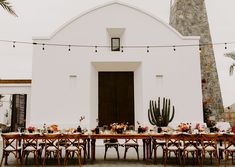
(69,46)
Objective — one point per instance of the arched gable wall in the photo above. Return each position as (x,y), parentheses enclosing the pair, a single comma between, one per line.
(55,92)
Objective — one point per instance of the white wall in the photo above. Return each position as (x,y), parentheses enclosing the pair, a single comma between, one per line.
(61,99)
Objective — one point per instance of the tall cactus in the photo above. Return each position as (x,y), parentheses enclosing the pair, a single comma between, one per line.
(160,117)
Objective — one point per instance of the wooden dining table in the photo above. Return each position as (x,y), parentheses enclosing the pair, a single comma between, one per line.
(89,141)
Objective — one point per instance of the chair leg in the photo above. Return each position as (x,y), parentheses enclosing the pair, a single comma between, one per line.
(106,149)
(58,157)
(65,157)
(116,147)
(36,157)
(3,154)
(165,157)
(79,158)
(137,152)
(44,159)
(154,154)
(232,158)
(126,148)
(6,158)
(17,161)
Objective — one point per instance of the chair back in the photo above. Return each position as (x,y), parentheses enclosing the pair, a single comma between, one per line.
(209,141)
(72,140)
(11,141)
(52,140)
(190,140)
(131,140)
(229,141)
(173,140)
(30,140)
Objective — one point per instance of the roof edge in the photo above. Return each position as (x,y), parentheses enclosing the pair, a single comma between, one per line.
(108,4)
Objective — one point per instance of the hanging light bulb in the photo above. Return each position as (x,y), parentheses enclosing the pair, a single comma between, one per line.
(69,48)
(14,44)
(147,49)
(225,47)
(95,48)
(43,46)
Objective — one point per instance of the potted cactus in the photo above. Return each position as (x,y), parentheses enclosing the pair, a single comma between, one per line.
(160,117)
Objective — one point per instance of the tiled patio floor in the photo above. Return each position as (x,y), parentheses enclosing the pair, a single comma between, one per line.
(112,160)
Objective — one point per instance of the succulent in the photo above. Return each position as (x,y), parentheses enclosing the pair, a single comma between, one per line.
(158,116)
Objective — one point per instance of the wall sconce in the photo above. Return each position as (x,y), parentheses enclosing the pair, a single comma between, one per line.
(115,44)
(72,76)
(159,76)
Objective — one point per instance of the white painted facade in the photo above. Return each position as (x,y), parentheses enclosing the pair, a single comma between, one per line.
(65,84)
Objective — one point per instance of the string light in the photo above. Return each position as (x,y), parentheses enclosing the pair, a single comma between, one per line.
(133,46)
(147,49)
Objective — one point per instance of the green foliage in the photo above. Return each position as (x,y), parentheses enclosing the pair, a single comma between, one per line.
(6,5)
(158,116)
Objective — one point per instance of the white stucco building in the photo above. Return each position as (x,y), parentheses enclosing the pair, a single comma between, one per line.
(65,83)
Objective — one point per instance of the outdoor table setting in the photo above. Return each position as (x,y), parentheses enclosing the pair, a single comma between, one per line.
(149,137)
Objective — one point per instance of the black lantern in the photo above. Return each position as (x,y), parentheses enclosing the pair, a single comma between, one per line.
(115,44)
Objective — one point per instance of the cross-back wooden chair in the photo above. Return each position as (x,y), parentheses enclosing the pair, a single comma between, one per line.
(72,147)
(31,145)
(110,143)
(173,143)
(131,143)
(228,147)
(209,144)
(11,145)
(190,146)
(159,142)
(52,147)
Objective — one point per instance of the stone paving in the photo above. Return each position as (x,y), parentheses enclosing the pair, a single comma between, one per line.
(111,160)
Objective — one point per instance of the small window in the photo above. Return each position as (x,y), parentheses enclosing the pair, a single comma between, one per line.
(115,44)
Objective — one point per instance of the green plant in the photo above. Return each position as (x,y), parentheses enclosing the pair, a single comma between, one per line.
(158,116)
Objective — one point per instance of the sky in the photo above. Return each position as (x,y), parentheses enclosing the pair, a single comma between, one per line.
(43,17)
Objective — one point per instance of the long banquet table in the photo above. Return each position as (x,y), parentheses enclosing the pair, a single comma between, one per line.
(147,138)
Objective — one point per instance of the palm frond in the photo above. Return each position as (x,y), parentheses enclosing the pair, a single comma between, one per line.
(231,69)
(7,6)
(230,55)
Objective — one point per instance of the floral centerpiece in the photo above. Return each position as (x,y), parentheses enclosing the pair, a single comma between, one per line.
(118,128)
(141,129)
(31,129)
(79,129)
(199,127)
(52,129)
(184,127)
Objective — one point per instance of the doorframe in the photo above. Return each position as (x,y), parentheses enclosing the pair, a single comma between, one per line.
(134,66)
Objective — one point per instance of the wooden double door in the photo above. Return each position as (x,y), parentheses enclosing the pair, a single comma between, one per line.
(116,97)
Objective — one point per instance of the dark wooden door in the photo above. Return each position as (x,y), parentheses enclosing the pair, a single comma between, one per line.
(116,97)
(18,116)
